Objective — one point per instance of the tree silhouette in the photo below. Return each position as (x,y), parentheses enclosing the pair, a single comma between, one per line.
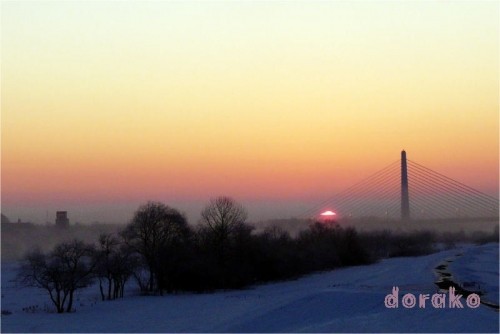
(61,272)
(223,216)
(115,264)
(223,219)
(154,227)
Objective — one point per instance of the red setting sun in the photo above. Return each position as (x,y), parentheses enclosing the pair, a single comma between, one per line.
(328,213)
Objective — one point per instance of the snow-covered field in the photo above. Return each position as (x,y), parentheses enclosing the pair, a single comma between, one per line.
(346,300)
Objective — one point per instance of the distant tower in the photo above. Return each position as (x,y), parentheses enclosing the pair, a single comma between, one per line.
(405,197)
(62,219)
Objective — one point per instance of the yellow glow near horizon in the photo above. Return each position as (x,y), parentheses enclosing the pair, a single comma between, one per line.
(105,100)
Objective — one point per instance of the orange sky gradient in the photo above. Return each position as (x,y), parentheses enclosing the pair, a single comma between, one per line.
(106,105)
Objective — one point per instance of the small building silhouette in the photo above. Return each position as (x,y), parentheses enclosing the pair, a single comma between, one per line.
(62,219)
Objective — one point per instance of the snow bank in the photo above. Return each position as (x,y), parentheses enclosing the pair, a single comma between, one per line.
(478,266)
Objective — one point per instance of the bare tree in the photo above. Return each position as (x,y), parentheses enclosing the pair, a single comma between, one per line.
(124,264)
(40,272)
(223,216)
(115,265)
(61,272)
(223,219)
(154,227)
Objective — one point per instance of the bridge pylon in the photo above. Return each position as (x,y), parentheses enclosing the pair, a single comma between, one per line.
(405,195)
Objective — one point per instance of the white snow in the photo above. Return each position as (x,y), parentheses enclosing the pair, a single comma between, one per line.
(345,300)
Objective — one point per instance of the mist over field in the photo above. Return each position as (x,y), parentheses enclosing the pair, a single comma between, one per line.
(18,239)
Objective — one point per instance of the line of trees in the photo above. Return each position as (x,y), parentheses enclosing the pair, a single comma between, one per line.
(164,254)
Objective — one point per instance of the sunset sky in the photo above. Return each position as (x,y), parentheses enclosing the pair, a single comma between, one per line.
(106,105)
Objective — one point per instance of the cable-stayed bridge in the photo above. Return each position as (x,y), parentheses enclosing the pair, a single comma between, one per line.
(406,190)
